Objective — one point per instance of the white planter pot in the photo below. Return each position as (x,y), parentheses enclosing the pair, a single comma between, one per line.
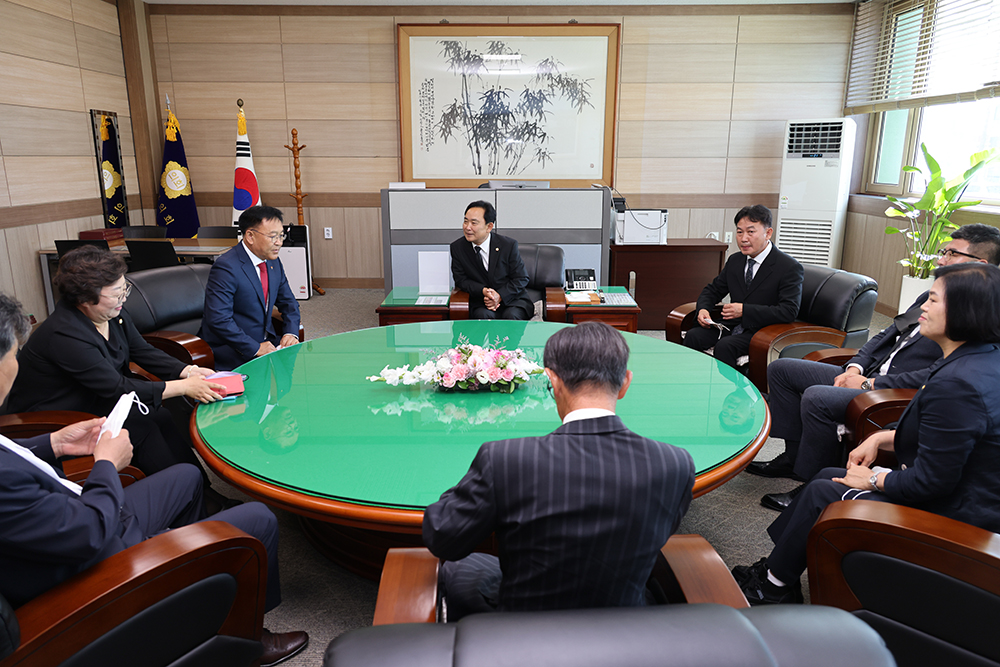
(911,289)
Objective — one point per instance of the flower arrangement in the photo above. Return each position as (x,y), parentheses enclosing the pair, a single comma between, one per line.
(467,367)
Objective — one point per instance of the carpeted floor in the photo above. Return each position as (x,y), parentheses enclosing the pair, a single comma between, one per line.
(326,601)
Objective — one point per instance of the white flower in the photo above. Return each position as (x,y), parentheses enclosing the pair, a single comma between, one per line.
(409,377)
(443,365)
(483,376)
(392,375)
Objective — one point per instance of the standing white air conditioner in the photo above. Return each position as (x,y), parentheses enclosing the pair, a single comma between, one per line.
(815,184)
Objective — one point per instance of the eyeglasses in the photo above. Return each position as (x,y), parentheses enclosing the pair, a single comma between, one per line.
(122,294)
(275,237)
(948,252)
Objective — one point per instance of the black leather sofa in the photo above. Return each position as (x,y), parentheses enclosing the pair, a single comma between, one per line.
(700,635)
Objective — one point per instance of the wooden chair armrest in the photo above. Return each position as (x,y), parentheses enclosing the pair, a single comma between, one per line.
(185,347)
(944,545)
(767,343)
(60,622)
(700,573)
(30,424)
(77,470)
(838,356)
(873,410)
(458,305)
(680,319)
(139,372)
(555,304)
(407,592)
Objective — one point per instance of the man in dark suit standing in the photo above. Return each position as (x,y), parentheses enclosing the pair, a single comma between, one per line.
(765,286)
(580,514)
(51,528)
(808,399)
(244,286)
(489,267)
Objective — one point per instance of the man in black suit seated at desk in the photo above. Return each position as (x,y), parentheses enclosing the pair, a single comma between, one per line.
(489,267)
(580,514)
(765,286)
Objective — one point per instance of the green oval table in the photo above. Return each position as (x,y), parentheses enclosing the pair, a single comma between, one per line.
(361,460)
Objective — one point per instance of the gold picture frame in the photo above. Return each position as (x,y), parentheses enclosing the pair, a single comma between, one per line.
(508,102)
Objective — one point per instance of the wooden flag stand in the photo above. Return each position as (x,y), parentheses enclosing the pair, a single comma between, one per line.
(299,195)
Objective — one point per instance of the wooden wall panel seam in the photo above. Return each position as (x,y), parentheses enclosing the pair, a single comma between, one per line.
(835,9)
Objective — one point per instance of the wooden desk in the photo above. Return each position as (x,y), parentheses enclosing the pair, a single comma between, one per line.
(400,307)
(666,275)
(623,318)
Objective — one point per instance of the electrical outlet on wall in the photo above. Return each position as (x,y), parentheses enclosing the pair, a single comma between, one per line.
(729,237)
(328,232)
(713,235)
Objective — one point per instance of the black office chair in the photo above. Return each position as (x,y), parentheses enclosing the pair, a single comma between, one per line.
(150,254)
(143,232)
(219,232)
(64,246)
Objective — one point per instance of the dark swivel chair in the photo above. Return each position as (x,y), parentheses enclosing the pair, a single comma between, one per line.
(150,254)
(143,232)
(63,246)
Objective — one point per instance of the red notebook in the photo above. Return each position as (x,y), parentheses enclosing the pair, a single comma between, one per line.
(233,385)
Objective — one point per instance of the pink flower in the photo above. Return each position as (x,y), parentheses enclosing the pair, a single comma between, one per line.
(460,372)
(448,380)
(495,374)
(507,374)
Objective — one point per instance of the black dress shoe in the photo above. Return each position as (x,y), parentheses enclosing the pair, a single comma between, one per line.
(779,466)
(780,501)
(759,590)
(215,502)
(279,647)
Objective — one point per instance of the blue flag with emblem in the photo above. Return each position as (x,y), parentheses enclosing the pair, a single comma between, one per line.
(176,211)
(115,208)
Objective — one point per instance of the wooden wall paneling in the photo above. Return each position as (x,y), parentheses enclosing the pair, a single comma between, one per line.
(76,225)
(705,220)
(222,61)
(756,138)
(38,35)
(680,29)
(790,28)
(131,173)
(753,174)
(854,241)
(215,174)
(125,134)
(675,101)
(783,101)
(33,131)
(453,15)
(136,218)
(6,275)
(148,217)
(230,28)
(140,89)
(680,138)
(210,138)
(321,174)
(100,50)
(329,256)
(61,8)
(348,63)
(214,216)
(815,63)
(49,232)
(678,63)
(4,196)
(39,179)
(893,249)
(678,223)
(217,100)
(341,101)
(674,175)
(337,30)
(871,257)
(566,18)
(346,138)
(35,83)
(729,225)
(97,14)
(22,252)
(364,238)
(158,28)
(161,53)
(105,91)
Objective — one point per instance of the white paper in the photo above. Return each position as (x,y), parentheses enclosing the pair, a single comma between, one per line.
(434,272)
(432,300)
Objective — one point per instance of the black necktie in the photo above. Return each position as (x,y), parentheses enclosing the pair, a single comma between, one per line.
(479,254)
(749,276)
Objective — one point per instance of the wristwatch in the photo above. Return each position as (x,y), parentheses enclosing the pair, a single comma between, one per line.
(873,480)
(866,385)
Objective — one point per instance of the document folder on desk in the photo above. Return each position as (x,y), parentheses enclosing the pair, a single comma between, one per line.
(233,383)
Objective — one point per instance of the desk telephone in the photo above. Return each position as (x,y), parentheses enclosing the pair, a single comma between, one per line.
(581,279)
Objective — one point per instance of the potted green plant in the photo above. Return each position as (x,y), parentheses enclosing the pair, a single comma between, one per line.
(929,219)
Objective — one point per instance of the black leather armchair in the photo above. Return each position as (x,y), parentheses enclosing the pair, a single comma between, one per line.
(544,265)
(929,585)
(836,311)
(676,635)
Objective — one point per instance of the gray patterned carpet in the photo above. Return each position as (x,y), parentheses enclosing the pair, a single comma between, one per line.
(326,601)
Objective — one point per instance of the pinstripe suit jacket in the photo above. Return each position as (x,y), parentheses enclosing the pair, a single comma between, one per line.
(579,514)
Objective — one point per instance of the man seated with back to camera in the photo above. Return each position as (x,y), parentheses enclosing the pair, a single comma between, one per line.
(489,268)
(51,528)
(809,399)
(580,514)
(764,286)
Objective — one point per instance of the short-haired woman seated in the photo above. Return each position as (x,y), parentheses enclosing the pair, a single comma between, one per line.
(78,359)
(947,441)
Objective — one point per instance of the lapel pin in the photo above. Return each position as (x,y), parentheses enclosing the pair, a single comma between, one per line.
(120,321)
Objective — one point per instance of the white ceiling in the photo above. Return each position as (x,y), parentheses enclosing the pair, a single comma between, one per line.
(419,3)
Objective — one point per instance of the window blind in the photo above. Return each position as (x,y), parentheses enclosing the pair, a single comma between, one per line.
(912,53)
